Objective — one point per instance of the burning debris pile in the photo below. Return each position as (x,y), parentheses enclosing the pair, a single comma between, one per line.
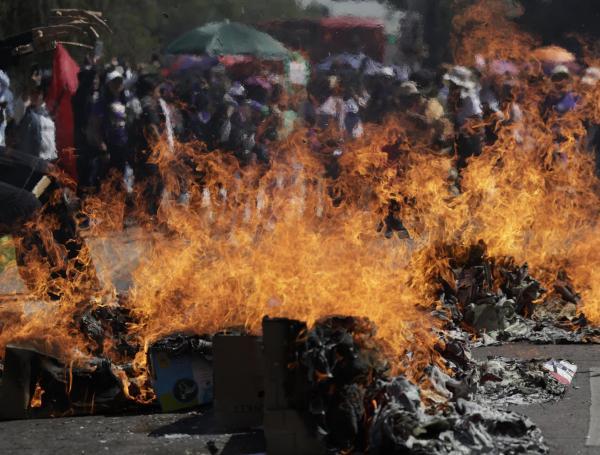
(37,385)
(338,377)
(501,302)
(108,326)
(357,405)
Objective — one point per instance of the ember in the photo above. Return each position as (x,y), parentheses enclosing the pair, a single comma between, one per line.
(36,399)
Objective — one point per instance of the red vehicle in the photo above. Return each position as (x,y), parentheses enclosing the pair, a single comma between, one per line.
(352,34)
(332,35)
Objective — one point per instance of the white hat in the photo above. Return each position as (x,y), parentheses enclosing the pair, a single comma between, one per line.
(591,76)
(409,88)
(387,71)
(462,77)
(560,70)
(113,75)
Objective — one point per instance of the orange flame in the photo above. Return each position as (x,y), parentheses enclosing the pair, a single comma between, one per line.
(298,240)
(36,399)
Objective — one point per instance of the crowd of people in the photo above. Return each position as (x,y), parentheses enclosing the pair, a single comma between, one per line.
(119,112)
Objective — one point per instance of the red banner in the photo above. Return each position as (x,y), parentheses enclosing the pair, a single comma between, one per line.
(62,88)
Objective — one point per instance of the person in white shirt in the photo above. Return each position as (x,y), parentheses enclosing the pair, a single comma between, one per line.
(37,132)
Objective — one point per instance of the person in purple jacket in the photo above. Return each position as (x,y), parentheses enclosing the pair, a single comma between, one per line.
(108,130)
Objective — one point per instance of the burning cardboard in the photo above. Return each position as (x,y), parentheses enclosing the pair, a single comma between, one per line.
(37,385)
(16,383)
(287,419)
(182,373)
(239,381)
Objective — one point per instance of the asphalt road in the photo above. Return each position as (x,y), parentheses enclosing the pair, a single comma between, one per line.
(565,424)
(189,434)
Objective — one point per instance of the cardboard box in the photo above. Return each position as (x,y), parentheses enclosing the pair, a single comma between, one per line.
(285,387)
(289,429)
(239,381)
(16,383)
(181,381)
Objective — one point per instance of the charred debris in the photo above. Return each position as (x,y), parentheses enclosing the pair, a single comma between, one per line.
(331,384)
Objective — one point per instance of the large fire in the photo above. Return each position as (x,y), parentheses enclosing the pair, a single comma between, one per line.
(298,239)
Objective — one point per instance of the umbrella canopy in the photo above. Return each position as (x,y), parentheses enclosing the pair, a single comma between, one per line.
(553,54)
(228,38)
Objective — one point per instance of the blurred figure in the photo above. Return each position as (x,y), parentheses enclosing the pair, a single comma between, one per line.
(23,101)
(6,107)
(37,132)
(83,102)
(107,128)
(149,130)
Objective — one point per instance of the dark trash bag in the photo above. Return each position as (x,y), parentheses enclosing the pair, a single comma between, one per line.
(16,206)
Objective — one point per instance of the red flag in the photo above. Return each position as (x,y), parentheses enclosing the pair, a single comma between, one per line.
(62,88)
